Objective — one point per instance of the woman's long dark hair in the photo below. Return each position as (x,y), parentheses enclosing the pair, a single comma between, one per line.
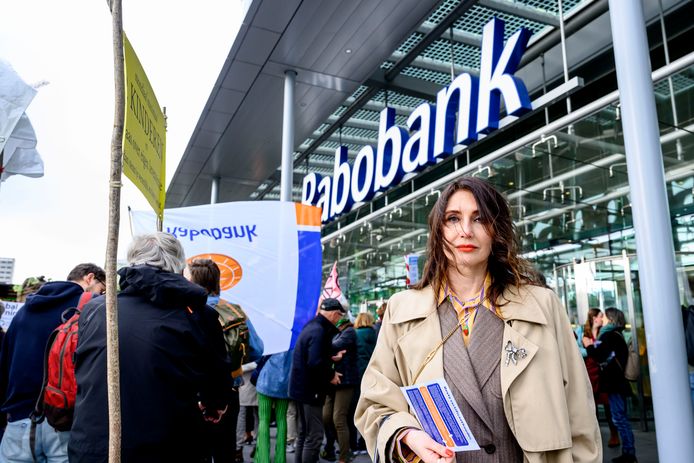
(616,317)
(506,267)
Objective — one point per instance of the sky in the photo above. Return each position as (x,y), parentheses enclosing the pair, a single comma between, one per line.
(50,224)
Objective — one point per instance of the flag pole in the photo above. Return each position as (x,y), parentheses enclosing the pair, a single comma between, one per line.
(115,185)
(2,166)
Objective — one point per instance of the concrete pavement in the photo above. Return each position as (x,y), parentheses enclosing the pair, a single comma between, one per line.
(646,448)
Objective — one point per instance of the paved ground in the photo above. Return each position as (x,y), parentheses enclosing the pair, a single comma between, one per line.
(646,449)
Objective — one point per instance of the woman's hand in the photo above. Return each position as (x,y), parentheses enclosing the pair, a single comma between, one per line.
(587,341)
(427,448)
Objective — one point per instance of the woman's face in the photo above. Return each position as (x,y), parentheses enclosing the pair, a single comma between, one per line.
(599,320)
(464,230)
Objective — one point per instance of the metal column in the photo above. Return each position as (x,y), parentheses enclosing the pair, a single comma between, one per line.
(674,418)
(287,179)
(214,193)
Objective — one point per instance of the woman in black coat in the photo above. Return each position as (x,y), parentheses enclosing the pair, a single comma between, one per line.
(611,352)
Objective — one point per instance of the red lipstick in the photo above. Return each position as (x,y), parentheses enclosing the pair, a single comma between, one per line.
(466,247)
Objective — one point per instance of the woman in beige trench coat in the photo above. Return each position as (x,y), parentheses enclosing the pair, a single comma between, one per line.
(480,319)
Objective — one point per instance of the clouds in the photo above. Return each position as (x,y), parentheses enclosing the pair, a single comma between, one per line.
(52,223)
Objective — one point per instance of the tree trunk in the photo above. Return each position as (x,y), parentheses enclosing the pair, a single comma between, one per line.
(112,361)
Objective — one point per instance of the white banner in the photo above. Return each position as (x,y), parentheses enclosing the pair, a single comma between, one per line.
(269,253)
(11,309)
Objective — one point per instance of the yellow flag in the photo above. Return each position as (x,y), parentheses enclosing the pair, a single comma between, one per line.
(144,134)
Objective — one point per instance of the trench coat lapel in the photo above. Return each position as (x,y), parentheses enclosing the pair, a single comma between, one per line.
(420,340)
(485,339)
(521,313)
(458,365)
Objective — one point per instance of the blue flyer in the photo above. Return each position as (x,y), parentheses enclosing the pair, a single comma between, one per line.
(438,413)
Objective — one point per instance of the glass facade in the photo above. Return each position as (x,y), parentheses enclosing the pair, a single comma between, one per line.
(568,190)
(569,194)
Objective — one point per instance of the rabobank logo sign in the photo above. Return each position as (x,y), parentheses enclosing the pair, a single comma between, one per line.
(469,106)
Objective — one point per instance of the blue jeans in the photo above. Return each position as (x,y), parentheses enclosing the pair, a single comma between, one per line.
(618,406)
(50,446)
(691,385)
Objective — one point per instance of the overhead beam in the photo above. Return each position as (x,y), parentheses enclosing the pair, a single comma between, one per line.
(406,85)
(465,37)
(351,139)
(356,123)
(524,11)
(436,65)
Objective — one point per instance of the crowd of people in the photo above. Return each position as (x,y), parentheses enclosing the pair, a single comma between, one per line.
(185,394)
(195,385)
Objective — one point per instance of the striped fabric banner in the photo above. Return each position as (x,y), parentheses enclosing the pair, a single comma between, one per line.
(269,254)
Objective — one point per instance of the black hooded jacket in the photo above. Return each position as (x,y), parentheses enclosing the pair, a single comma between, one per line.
(21,361)
(172,355)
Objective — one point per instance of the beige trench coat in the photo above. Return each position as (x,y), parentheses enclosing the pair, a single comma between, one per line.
(547,397)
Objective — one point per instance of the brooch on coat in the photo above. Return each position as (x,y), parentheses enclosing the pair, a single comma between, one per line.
(513,353)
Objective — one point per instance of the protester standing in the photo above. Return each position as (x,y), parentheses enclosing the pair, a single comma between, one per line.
(174,373)
(22,364)
(311,374)
(247,423)
(273,392)
(366,340)
(336,416)
(206,274)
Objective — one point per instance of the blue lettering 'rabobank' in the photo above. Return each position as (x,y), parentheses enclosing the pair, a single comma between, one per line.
(467,107)
(224,233)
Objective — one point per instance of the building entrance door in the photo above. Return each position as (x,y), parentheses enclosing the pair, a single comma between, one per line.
(603,283)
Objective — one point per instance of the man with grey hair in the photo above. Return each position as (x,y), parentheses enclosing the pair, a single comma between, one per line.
(173,368)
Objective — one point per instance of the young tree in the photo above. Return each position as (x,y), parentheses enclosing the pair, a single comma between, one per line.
(112,361)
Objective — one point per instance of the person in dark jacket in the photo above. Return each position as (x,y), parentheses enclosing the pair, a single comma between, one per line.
(611,352)
(311,375)
(205,273)
(366,340)
(366,343)
(174,375)
(339,398)
(22,361)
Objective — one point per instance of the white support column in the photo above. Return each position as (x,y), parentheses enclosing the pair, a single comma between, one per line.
(287,179)
(214,193)
(672,406)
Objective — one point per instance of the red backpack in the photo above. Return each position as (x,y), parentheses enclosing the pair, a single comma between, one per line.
(56,402)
